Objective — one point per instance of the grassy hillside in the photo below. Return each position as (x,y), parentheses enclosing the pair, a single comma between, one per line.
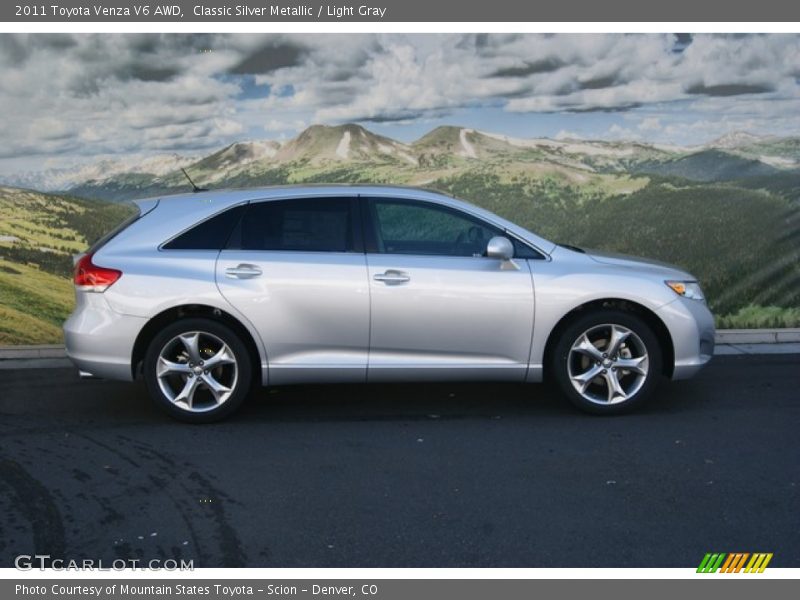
(39,233)
(743,244)
(708,165)
(732,220)
(742,238)
(33,304)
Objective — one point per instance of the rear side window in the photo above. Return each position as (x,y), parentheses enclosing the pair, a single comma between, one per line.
(211,234)
(299,225)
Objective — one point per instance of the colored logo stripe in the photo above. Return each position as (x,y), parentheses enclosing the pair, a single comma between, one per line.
(710,563)
(758,563)
(734,562)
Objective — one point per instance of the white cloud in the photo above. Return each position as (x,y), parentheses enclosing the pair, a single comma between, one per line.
(618,132)
(94,94)
(285,125)
(649,124)
(563,134)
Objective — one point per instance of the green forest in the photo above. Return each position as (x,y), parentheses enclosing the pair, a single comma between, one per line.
(743,244)
(740,237)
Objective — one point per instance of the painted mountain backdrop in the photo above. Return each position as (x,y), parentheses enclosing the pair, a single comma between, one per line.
(729,211)
(352,153)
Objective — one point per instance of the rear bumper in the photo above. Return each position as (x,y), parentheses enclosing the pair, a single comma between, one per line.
(99,340)
(691,326)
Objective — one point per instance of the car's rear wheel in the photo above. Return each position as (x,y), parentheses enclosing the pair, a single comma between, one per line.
(198,370)
(607,361)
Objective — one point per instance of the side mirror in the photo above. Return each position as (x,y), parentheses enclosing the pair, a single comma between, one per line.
(502,248)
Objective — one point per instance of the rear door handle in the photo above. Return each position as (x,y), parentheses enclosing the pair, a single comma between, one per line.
(392,277)
(243,271)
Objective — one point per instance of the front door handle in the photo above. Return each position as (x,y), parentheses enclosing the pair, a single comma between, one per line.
(243,271)
(392,277)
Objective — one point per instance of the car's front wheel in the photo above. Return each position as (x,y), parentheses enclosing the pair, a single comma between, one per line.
(198,370)
(607,361)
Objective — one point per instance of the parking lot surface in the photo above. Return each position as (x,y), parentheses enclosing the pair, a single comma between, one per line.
(405,475)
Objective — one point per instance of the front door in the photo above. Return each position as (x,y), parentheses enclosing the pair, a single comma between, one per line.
(440,309)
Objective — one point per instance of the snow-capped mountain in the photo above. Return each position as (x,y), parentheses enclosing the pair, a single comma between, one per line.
(67,178)
(350,152)
(341,143)
(737,139)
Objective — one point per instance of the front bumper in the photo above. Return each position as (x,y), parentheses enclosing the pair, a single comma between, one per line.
(691,326)
(100,340)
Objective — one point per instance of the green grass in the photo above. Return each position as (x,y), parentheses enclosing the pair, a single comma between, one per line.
(36,293)
(33,304)
(760,317)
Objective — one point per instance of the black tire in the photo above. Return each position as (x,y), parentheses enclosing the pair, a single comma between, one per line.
(206,406)
(565,364)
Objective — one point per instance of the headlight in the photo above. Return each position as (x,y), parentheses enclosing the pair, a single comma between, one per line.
(687,289)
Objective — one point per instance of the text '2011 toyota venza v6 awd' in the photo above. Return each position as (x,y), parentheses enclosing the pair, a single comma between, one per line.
(205,294)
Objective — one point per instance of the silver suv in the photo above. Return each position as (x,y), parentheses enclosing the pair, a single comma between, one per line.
(204,294)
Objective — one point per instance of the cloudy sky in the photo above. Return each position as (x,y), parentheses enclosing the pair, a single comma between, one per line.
(68,99)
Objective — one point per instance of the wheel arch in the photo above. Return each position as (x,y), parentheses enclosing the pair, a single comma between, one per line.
(176,313)
(651,318)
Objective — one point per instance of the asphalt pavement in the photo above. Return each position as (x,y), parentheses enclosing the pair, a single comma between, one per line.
(405,475)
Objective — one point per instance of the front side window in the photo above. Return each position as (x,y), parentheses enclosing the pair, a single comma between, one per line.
(298,225)
(408,227)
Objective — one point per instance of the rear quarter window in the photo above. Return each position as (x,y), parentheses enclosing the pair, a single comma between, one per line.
(211,234)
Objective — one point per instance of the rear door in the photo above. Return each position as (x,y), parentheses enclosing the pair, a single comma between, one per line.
(296,269)
(440,308)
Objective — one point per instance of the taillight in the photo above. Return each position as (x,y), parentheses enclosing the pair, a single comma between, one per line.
(91,278)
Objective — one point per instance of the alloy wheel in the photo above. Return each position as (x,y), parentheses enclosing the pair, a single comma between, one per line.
(608,364)
(197,371)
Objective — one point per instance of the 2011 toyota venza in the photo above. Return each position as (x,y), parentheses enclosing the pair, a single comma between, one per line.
(205,294)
